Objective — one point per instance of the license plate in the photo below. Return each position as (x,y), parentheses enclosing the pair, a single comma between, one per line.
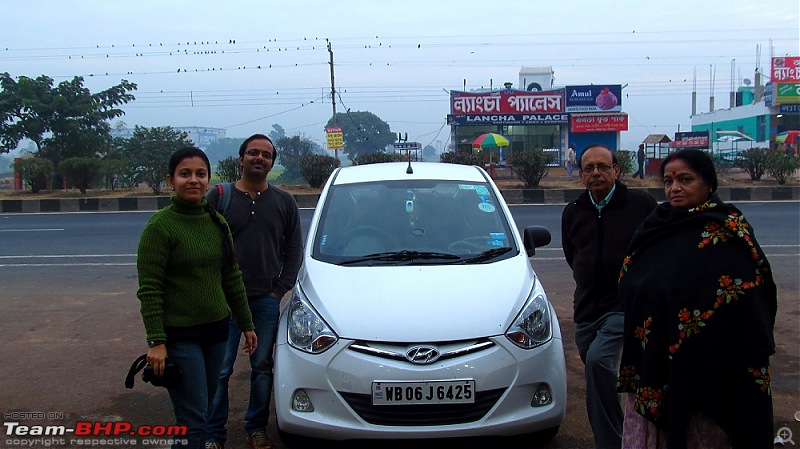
(434,392)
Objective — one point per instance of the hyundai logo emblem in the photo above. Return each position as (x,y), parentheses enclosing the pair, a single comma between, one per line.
(422,355)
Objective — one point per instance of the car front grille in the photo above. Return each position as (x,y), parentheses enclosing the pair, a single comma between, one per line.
(422,415)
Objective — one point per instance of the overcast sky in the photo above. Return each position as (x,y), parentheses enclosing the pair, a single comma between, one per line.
(244,65)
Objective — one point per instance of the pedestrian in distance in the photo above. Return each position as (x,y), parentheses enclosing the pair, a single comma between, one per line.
(596,229)
(265,222)
(188,281)
(569,161)
(641,157)
(700,305)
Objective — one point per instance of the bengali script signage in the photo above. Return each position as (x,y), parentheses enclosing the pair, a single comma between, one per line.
(787,93)
(789,109)
(690,139)
(506,102)
(509,107)
(335,138)
(593,98)
(785,69)
(593,123)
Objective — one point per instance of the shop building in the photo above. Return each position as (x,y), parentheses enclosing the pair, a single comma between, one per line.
(758,115)
(540,116)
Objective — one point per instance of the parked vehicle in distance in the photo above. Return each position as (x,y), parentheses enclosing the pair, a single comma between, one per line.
(417,313)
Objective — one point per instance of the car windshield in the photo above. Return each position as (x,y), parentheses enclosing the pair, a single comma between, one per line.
(420,222)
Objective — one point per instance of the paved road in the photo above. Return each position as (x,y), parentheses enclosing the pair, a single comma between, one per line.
(71,326)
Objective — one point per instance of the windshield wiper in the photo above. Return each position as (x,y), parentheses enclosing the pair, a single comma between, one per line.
(403,255)
(487,255)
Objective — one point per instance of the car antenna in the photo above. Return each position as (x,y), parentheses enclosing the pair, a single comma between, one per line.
(409,170)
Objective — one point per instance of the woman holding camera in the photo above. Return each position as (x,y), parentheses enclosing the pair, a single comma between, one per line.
(188,281)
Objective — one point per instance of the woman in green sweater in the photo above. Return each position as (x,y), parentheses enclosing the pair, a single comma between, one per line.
(188,282)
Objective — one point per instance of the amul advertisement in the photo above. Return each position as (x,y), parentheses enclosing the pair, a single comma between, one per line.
(593,98)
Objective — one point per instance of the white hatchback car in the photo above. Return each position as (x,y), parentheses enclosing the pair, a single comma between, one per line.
(417,313)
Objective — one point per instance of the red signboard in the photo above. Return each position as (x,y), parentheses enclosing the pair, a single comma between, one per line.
(785,69)
(507,102)
(592,123)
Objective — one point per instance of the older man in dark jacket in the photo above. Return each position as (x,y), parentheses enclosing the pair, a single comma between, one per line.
(595,232)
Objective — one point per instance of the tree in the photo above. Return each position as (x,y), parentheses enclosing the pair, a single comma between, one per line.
(290,151)
(379,158)
(229,169)
(428,153)
(81,172)
(317,168)
(223,148)
(460,157)
(753,161)
(149,150)
(63,121)
(35,172)
(625,162)
(277,132)
(781,166)
(116,170)
(363,133)
(531,165)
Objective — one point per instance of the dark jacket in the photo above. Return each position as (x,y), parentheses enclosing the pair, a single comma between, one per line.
(595,244)
(267,238)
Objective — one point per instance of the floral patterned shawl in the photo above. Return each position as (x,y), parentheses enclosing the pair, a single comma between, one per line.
(700,306)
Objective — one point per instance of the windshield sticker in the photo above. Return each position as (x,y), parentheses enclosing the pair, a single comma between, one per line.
(466,187)
(481,190)
(496,243)
(498,236)
(486,207)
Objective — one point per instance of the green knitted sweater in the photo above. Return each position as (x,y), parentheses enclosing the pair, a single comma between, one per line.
(182,278)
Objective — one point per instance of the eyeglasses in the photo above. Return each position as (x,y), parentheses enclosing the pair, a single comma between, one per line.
(255,153)
(602,167)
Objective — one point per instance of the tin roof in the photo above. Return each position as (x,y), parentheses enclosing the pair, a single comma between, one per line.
(656,138)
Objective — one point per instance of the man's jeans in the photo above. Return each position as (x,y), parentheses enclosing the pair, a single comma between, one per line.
(200,365)
(265,310)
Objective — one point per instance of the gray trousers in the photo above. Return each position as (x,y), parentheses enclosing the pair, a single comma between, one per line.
(600,347)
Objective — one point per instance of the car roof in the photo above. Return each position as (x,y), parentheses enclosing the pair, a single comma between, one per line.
(392,171)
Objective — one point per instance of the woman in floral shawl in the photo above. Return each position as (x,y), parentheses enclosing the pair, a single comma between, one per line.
(700,307)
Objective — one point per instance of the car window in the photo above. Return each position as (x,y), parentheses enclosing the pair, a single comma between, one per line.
(446,217)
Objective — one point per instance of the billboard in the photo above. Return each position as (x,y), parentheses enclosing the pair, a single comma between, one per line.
(506,102)
(593,123)
(690,139)
(785,69)
(335,138)
(787,93)
(593,98)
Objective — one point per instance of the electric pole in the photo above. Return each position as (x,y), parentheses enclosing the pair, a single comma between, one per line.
(333,96)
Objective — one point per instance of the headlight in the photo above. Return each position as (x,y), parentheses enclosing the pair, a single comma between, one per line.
(307,331)
(532,327)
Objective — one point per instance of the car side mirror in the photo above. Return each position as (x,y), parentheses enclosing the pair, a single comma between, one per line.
(535,237)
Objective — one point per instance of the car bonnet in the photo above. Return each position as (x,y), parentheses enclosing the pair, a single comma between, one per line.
(418,303)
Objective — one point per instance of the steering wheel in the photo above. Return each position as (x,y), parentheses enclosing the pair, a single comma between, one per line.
(471,245)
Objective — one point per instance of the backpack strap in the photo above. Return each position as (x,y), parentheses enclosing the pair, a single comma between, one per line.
(224,199)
